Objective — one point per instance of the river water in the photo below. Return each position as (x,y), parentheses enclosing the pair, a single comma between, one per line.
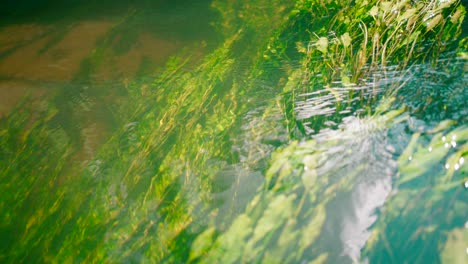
(84,54)
(168,132)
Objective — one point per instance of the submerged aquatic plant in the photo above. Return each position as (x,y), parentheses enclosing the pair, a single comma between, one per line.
(218,163)
(286,220)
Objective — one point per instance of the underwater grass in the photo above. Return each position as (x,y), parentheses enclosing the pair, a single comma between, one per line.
(291,205)
(139,184)
(33,158)
(163,188)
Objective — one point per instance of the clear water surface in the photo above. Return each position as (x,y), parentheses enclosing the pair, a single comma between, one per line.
(168,132)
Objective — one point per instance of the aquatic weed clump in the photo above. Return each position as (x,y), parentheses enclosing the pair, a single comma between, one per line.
(287,219)
(366,51)
(367,35)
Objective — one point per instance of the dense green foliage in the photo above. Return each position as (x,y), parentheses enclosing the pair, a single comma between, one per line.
(224,163)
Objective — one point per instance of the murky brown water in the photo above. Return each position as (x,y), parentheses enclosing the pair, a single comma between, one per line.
(46,58)
(84,61)
(29,54)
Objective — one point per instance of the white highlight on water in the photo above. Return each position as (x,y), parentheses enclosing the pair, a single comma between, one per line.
(453,143)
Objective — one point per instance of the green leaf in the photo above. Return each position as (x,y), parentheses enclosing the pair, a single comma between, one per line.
(374,11)
(346,40)
(322,45)
(455,248)
(433,22)
(312,230)
(202,244)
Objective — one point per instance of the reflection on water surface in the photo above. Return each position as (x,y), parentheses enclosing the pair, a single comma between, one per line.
(356,143)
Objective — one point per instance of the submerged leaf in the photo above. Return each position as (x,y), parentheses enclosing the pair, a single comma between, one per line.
(408,13)
(433,22)
(374,11)
(202,244)
(346,39)
(456,246)
(312,230)
(320,259)
(458,16)
(322,45)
